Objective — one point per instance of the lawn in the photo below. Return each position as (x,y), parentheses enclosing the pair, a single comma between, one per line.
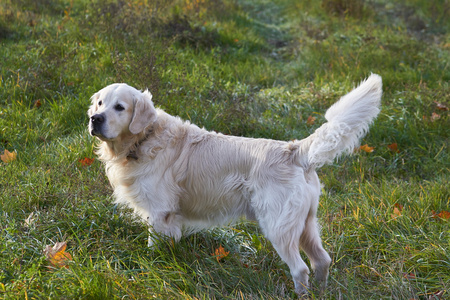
(251,68)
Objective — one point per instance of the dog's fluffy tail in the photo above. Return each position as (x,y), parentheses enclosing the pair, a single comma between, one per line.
(348,121)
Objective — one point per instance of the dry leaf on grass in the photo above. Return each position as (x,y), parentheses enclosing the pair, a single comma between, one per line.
(37,103)
(220,253)
(366,148)
(310,121)
(437,295)
(7,156)
(397,211)
(440,106)
(443,215)
(393,147)
(56,255)
(86,161)
(434,117)
(30,220)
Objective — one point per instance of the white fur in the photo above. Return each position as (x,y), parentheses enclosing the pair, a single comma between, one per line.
(179,177)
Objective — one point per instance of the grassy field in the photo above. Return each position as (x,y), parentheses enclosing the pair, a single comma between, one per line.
(253,68)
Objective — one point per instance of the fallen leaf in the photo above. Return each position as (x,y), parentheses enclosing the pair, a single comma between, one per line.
(30,220)
(393,147)
(32,23)
(440,106)
(86,161)
(310,121)
(443,215)
(7,156)
(434,117)
(437,295)
(220,253)
(396,213)
(366,148)
(409,275)
(56,255)
(37,103)
(398,206)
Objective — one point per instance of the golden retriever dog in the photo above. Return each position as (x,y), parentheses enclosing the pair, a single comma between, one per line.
(182,178)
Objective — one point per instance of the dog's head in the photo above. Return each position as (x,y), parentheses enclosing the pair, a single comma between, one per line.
(118,110)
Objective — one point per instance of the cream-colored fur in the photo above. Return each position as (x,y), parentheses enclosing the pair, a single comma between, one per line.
(179,177)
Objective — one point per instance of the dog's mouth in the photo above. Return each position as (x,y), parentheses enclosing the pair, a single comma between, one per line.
(95,133)
(99,135)
(96,123)
(95,130)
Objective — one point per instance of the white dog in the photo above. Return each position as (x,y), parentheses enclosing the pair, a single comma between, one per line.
(180,177)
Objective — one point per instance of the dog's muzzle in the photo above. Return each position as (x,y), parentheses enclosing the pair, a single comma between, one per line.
(97,122)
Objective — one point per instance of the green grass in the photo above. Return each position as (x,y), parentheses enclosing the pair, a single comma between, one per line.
(252,68)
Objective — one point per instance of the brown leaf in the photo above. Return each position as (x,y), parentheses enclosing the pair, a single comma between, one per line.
(56,255)
(310,121)
(440,106)
(220,253)
(393,147)
(86,161)
(37,103)
(434,117)
(7,156)
(437,295)
(396,213)
(443,215)
(409,275)
(398,206)
(366,148)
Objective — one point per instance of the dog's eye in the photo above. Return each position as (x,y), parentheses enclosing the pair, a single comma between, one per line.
(99,103)
(119,107)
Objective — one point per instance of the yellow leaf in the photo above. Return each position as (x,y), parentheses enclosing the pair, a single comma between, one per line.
(56,255)
(220,253)
(7,156)
(397,213)
(366,148)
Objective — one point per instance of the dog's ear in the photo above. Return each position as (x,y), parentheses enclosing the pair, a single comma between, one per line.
(144,113)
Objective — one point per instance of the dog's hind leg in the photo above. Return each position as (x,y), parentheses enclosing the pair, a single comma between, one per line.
(286,243)
(312,245)
(283,225)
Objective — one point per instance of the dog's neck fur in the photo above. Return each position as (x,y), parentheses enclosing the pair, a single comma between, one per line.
(123,148)
(132,151)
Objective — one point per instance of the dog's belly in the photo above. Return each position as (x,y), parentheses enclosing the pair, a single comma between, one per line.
(216,201)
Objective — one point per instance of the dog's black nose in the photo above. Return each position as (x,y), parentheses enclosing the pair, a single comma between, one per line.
(97,119)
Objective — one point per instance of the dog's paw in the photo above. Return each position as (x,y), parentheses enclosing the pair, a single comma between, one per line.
(301,290)
(155,239)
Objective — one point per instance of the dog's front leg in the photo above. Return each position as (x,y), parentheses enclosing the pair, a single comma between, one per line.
(151,237)
(165,224)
